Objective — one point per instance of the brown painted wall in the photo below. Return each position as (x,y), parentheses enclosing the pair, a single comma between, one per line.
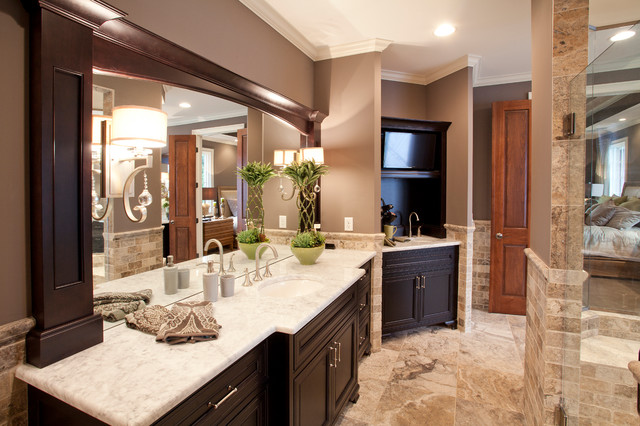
(349,90)
(14,169)
(451,99)
(224,162)
(234,38)
(482,99)
(142,93)
(541,104)
(404,100)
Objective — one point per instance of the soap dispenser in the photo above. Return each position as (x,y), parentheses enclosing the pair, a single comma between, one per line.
(170,277)
(210,283)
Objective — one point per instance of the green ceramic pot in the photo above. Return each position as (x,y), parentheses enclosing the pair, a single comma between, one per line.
(250,249)
(307,256)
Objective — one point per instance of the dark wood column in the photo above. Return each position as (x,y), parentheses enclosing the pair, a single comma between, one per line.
(60,164)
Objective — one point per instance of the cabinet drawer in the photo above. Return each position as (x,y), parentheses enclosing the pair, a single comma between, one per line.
(364,300)
(416,261)
(364,339)
(317,333)
(246,375)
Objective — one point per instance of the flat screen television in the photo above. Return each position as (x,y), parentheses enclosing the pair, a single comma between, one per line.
(406,150)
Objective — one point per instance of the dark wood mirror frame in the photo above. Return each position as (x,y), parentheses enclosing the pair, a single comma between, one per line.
(68,39)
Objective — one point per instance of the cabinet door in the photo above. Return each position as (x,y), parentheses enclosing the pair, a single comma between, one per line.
(400,302)
(345,368)
(253,414)
(438,297)
(311,391)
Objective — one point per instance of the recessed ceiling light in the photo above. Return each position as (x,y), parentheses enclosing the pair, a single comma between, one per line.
(184,105)
(623,35)
(444,30)
(622,119)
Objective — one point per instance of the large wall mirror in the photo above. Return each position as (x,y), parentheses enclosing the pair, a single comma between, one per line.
(132,63)
(222,135)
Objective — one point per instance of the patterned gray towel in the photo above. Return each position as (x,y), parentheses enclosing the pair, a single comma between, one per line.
(148,320)
(189,322)
(113,306)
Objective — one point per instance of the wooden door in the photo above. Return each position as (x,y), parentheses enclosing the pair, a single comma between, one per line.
(510,206)
(242,160)
(182,197)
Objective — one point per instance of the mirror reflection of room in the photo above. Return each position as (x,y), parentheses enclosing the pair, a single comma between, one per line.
(191,181)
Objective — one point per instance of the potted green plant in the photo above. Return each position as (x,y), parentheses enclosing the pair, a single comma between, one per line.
(308,244)
(255,174)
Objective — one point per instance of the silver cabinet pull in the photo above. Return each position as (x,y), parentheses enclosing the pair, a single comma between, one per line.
(499,236)
(216,406)
(335,357)
(362,339)
(424,281)
(418,282)
(362,305)
(339,350)
(331,348)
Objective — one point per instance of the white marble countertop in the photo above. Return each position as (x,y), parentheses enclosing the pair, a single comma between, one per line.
(130,379)
(417,243)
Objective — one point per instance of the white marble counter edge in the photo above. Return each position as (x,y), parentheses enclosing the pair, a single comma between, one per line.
(154,408)
(420,245)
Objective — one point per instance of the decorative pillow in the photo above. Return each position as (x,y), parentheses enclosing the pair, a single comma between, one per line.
(632,203)
(616,199)
(233,206)
(623,218)
(601,214)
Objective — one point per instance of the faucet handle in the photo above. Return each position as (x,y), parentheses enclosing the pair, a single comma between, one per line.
(267,271)
(231,268)
(247,278)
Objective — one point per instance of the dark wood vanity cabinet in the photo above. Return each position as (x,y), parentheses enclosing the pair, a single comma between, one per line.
(419,287)
(236,396)
(364,312)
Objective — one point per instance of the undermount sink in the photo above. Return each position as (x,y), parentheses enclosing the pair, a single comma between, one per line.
(289,286)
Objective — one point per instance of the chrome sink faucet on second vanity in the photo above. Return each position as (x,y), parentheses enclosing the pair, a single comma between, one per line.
(417,218)
(267,272)
(206,249)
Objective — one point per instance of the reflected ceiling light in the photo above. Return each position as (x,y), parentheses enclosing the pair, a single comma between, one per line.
(623,35)
(622,119)
(184,105)
(444,30)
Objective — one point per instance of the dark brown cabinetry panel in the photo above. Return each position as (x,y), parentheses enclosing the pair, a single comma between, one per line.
(419,287)
(60,155)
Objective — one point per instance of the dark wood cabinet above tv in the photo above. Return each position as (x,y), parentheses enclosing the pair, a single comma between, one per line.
(414,184)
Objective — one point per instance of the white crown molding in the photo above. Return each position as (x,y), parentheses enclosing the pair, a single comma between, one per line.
(224,139)
(403,77)
(613,89)
(502,79)
(217,130)
(265,12)
(460,63)
(190,120)
(349,49)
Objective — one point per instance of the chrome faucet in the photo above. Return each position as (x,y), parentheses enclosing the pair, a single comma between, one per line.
(206,249)
(417,218)
(267,273)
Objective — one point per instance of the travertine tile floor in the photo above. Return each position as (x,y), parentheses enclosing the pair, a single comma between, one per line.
(438,376)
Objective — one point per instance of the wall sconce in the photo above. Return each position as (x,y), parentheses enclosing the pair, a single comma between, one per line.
(133,130)
(284,157)
(100,127)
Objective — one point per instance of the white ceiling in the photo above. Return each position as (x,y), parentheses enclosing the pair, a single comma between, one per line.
(203,107)
(492,35)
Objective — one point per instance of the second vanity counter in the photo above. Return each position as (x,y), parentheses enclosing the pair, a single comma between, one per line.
(130,379)
(417,243)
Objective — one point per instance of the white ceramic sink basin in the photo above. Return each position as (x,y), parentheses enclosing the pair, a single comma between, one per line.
(289,286)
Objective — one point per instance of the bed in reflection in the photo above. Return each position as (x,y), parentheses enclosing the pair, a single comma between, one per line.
(612,235)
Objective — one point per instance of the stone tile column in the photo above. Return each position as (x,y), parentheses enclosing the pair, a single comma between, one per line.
(481,265)
(131,253)
(464,234)
(13,392)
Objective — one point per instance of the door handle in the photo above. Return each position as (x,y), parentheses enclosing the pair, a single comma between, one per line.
(331,348)
(424,281)
(499,236)
(339,350)
(172,222)
(418,283)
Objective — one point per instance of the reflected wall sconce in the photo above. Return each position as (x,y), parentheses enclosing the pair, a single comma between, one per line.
(126,141)
(284,157)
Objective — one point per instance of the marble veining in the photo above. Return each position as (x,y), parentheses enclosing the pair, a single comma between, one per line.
(417,243)
(130,379)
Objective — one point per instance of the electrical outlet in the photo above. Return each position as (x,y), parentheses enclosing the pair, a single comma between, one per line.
(283,221)
(348,224)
